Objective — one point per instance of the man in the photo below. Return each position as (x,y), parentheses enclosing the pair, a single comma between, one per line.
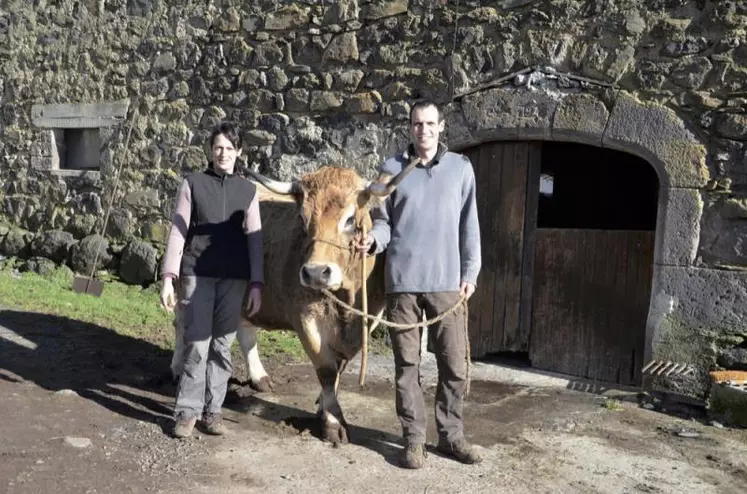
(430,230)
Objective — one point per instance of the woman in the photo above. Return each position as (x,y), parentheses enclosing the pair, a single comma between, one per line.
(215,248)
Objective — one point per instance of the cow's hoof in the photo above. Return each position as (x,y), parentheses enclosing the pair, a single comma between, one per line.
(264,385)
(335,433)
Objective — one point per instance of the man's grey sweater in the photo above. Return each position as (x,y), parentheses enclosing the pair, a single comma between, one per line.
(429,225)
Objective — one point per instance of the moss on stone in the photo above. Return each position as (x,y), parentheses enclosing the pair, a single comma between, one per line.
(683,344)
(728,404)
(155,232)
(730,340)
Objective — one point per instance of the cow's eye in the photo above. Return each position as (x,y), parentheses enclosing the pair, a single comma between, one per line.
(350,224)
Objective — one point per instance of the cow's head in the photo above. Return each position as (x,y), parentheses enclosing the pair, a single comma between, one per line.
(334,206)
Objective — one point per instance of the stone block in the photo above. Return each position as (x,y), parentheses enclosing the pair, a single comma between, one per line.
(348,80)
(733,358)
(325,100)
(290,17)
(690,74)
(342,48)
(690,309)
(139,263)
(341,11)
(53,244)
(39,265)
(277,80)
(143,198)
(396,91)
(680,227)
(258,138)
(368,102)
(399,110)
(380,9)
(580,118)
(457,134)
(499,114)
(658,135)
(157,233)
(732,126)
(164,63)
(262,100)
(728,404)
(16,243)
(267,54)
(712,299)
(79,115)
(229,21)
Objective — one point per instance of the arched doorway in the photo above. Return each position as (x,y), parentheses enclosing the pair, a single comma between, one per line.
(568,248)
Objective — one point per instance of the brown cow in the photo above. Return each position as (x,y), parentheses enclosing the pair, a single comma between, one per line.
(307,238)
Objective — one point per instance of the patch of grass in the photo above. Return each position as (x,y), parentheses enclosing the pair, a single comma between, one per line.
(130,311)
(283,345)
(126,309)
(612,405)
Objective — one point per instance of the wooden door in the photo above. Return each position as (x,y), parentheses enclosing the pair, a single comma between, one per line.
(500,308)
(591,292)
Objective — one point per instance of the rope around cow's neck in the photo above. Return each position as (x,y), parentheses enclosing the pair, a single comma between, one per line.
(461,302)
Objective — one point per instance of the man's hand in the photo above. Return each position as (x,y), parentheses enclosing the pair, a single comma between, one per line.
(363,245)
(466,289)
(168,296)
(253,302)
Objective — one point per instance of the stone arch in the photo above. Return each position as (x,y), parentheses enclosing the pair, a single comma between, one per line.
(608,119)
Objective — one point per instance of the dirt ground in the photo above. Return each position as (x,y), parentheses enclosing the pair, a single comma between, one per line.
(84,410)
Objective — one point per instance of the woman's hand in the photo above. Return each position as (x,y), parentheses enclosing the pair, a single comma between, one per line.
(253,302)
(168,295)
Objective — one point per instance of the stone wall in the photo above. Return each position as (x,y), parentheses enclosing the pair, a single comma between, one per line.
(316,82)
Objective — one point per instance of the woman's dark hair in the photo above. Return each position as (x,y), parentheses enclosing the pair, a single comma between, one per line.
(228,129)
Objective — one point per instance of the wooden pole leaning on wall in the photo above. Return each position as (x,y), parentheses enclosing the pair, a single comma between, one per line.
(89,284)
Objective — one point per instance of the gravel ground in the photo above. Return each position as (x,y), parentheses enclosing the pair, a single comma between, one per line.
(85,410)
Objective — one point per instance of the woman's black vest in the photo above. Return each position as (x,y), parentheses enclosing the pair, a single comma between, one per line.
(216,245)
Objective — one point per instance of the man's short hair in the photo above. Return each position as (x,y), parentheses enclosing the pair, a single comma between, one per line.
(228,129)
(425,104)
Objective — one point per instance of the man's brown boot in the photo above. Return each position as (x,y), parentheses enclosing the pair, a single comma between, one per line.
(213,424)
(460,450)
(183,426)
(413,456)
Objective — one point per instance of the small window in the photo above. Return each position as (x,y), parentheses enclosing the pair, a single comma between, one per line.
(72,136)
(77,149)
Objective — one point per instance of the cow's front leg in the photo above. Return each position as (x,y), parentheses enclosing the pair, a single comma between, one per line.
(259,380)
(315,339)
(334,426)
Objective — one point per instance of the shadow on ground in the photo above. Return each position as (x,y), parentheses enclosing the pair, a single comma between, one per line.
(244,401)
(96,362)
(130,376)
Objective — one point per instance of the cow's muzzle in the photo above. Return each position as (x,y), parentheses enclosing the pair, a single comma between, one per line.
(321,275)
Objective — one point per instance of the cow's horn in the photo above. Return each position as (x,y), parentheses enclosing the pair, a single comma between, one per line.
(284,188)
(381,189)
